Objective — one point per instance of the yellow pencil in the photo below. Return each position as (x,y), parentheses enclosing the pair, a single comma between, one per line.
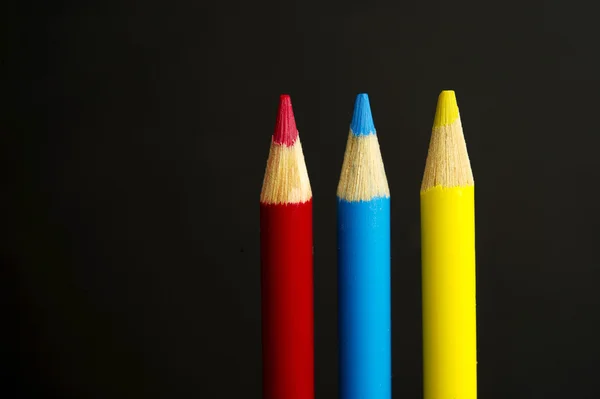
(448,260)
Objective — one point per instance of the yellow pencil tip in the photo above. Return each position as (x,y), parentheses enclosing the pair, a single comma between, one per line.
(447,109)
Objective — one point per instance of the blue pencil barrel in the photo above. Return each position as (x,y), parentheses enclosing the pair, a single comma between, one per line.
(364,299)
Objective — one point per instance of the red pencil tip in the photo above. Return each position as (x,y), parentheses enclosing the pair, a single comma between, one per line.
(285,127)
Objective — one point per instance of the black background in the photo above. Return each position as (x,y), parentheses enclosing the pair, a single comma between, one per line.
(136,135)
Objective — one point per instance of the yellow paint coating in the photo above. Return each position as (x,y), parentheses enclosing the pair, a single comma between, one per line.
(448,278)
(447,109)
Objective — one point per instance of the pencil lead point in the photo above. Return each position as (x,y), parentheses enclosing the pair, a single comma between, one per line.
(286,132)
(362,119)
(447,109)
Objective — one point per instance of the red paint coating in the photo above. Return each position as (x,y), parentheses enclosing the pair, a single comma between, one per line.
(286,132)
(287,300)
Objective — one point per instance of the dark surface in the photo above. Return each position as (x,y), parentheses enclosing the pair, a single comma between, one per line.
(136,135)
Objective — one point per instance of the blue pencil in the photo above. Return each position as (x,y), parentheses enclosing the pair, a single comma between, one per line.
(364,264)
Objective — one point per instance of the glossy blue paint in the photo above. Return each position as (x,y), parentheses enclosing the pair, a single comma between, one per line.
(364,319)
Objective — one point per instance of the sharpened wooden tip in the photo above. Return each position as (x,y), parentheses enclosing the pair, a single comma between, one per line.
(363,174)
(447,162)
(286,178)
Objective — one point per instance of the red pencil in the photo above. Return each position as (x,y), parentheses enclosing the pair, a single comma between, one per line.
(287,266)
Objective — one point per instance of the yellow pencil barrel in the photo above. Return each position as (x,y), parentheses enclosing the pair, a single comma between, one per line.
(448,278)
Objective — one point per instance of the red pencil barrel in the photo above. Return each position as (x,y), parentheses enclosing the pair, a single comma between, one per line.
(287,300)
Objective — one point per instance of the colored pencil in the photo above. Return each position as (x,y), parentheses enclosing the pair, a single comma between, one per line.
(287,265)
(448,260)
(364,263)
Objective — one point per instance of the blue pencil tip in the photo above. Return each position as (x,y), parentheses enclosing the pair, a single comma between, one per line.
(362,120)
